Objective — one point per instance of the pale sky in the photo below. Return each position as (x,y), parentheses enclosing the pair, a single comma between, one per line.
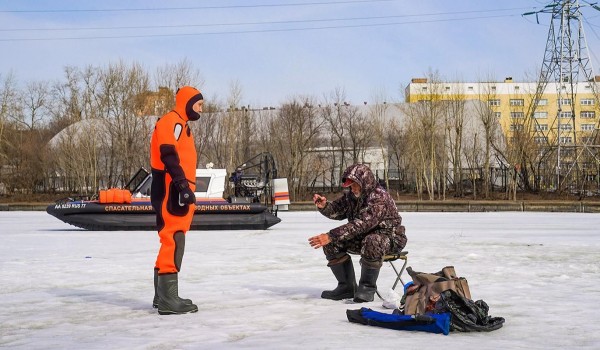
(281,49)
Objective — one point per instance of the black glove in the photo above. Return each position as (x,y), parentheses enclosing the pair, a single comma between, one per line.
(186,195)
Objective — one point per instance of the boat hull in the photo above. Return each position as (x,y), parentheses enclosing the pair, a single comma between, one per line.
(139,216)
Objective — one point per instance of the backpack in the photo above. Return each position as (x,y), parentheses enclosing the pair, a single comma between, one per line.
(420,296)
(445,293)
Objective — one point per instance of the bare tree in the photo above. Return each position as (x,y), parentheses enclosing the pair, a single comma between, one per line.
(66,105)
(8,108)
(76,150)
(473,151)
(116,135)
(25,143)
(129,132)
(360,129)
(206,131)
(237,123)
(174,76)
(75,156)
(397,145)
(490,120)
(425,131)
(349,132)
(454,125)
(518,145)
(230,130)
(335,118)
(34,102)
(294,130)
(380,122)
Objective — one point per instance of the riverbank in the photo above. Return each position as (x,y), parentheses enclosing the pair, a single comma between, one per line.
(485,206)
(423,206)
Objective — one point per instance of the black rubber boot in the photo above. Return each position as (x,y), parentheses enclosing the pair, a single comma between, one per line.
(169,302)
(156,298)
(367,285)
(344,273)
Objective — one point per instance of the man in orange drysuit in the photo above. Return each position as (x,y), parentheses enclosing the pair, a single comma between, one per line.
(173,163)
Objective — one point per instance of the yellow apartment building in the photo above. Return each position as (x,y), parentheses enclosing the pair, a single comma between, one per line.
(570,115)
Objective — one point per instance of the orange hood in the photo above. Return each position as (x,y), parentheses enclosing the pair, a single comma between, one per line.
(185,99)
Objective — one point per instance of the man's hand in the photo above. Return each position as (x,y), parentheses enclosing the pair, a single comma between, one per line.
(186,195)
(320,201)
(319,240)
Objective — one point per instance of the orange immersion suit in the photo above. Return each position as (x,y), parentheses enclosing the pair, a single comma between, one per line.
(173,163)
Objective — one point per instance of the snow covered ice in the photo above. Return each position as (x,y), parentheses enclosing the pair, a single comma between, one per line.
(66,288)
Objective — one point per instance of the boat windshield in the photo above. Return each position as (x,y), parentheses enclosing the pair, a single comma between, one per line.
(202,183)
(140,182)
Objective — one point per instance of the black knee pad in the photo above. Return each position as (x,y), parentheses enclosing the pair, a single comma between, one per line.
(179,238)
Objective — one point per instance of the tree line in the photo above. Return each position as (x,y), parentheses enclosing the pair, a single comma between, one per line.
(91,130)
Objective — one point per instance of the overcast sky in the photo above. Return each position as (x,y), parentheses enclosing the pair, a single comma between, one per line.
(281,49)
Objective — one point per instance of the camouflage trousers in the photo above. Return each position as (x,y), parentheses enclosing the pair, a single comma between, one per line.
(372,246)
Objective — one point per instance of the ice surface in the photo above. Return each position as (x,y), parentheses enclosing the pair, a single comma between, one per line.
(66,288)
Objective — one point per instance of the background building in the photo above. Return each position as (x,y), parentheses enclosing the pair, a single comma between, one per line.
(550,128)
(568,118)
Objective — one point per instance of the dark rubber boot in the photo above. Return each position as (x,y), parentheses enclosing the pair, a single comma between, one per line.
(156,298)
(367,285)
(169,302)
(344,273)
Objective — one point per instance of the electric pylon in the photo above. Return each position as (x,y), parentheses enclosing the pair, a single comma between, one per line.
(567,70)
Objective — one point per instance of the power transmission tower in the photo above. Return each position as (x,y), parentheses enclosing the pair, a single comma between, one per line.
(567,70)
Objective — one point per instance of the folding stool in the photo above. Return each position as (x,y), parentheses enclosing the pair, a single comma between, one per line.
(391,258)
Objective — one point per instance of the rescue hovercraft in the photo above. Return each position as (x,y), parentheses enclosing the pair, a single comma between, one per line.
(258,197)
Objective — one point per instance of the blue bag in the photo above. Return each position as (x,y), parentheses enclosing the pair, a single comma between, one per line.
(433,323)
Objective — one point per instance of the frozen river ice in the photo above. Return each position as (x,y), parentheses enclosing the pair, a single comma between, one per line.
(65,288)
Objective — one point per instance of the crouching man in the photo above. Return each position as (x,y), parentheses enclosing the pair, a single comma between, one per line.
(373,230)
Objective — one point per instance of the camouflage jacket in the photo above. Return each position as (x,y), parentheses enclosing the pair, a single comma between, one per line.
(374,210)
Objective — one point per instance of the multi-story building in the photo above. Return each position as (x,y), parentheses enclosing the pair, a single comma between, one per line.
(562,119)
(567,116)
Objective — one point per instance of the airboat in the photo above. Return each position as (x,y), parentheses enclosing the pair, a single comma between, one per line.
(258,196)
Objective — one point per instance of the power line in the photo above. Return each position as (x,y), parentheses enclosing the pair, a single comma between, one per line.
(591,26)
(261,23)
(198,7)
(260,30)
